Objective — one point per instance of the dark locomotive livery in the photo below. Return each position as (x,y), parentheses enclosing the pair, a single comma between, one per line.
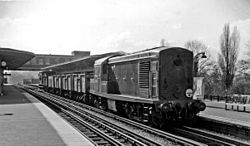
(153,85)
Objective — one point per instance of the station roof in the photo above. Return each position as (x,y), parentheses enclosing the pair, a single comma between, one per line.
(14,58)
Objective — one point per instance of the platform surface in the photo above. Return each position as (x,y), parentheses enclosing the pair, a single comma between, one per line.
(216,110)
(25,121)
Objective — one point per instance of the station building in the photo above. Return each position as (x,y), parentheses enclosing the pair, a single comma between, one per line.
(44,60)
(28,72)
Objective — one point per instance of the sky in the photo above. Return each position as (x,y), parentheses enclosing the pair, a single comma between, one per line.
(102,26)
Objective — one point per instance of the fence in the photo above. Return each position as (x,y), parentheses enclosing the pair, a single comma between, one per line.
(234,102)
(216,97)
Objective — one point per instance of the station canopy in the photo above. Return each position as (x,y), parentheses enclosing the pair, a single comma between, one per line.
(79,65)
(14,58)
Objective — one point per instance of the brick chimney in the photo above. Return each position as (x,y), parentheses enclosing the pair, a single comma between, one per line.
(79,54)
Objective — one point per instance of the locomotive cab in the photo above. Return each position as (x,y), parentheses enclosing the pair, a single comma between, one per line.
(176,84)
(175,74)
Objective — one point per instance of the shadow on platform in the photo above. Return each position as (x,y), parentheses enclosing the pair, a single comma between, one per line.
(13,95)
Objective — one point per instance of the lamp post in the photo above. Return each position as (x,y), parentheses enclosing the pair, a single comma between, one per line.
(3,65)
(196,62)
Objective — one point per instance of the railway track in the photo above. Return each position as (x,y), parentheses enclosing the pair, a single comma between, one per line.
(96,131)
(80,109)
(206,137)
(99,133)
(185,134)
(97,136)
(221,126)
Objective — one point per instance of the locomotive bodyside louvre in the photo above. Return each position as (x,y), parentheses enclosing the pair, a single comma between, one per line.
(175,73)
(144,78)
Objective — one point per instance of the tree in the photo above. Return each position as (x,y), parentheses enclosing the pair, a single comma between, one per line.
(165,43)
(212,81)
(242,69)
(241,86)
(197,47)
(229,45)
(248,48)
(248,53)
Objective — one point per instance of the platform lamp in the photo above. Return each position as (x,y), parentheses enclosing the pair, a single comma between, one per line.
(196,61)
(3,64)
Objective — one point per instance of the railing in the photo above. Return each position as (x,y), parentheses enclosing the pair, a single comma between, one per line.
(216,97)
(235,102)
(235,98)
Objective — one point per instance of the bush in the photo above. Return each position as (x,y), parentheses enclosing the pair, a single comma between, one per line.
(241,87)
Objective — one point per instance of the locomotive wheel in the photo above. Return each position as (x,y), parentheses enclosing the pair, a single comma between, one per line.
(104,105)
(89,99)
(191,115)
(156,120)
(128,109)
(96,102)
(83,98)
(194,121)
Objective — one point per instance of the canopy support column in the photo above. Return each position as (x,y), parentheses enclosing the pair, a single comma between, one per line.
(1,81)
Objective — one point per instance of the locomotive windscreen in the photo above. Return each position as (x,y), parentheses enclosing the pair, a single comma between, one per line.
(176,65)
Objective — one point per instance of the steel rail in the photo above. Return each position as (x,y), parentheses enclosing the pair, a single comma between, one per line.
(110,136)
(203,138)
(171,137)
(114,132)
(216,136)
(95,135)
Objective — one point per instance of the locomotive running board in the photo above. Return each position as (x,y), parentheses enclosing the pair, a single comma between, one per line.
(125,98)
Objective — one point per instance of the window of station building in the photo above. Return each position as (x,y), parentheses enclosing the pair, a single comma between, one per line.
(47,61)
(52,61)
(40,61)
(57,60)
(61,60)
(33,61)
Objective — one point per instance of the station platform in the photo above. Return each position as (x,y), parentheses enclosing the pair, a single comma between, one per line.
(216,110)
(25,121)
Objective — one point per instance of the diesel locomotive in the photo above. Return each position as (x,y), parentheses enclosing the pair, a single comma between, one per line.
(153,86)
